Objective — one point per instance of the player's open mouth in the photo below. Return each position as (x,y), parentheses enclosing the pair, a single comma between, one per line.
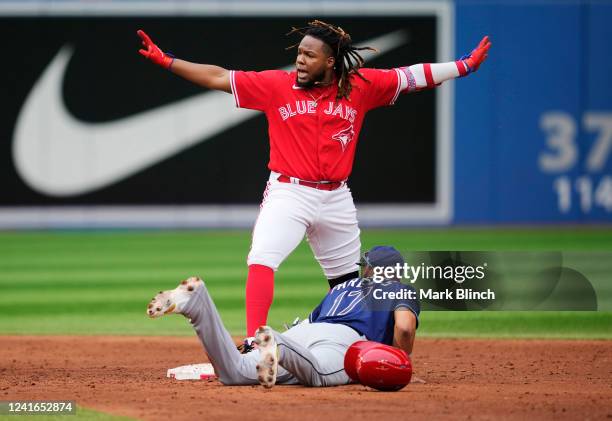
(302,74)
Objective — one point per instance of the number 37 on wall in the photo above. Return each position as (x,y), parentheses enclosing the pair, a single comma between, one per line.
(562,154)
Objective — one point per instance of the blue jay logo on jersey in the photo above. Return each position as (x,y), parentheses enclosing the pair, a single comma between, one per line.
(344,136)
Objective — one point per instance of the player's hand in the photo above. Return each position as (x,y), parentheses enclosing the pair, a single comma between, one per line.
(478,55)
(153,52)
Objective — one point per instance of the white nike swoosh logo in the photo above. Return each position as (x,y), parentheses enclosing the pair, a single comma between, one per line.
(58,155)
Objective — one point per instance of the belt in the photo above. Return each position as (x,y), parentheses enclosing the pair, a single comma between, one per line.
(319,185)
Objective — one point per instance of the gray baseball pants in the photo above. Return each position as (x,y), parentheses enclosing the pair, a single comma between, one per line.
(309,354)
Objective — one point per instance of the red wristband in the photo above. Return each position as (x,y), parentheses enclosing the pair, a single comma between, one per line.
(167,61)
(461,66)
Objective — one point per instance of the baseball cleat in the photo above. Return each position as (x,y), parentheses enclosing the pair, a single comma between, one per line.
(173,300)
(268,356)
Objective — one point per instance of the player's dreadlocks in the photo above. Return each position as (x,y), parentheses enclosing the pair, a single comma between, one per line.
(348,60)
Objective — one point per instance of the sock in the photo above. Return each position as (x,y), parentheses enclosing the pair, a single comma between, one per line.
(259,294)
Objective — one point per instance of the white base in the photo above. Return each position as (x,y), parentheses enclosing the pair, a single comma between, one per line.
(192,372)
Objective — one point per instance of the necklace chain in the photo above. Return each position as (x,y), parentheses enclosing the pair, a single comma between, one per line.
(317,99)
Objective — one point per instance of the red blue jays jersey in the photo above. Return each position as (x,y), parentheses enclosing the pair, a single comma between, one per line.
(367,307)
(313,134)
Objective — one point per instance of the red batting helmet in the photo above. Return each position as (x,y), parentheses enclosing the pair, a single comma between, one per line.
(379,366)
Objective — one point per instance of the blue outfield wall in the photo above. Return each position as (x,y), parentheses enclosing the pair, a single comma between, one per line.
(533,128)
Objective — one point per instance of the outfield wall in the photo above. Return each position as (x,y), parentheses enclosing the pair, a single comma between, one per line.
(94,136)
(533,131)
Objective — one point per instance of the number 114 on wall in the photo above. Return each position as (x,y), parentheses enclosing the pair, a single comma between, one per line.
(589,193)
(562,155)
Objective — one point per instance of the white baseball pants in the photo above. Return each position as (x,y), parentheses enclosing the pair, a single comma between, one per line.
(327,218)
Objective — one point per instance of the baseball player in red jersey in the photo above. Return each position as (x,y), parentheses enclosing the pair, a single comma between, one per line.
(314,115)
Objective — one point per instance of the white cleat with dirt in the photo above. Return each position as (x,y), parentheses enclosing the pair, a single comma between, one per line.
(268,356)
(173,301)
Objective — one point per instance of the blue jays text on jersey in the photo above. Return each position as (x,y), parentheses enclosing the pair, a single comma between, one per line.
(358,304)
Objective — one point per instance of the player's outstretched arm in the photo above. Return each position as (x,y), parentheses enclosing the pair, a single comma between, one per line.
(429,75)
(404,330)
(206,75)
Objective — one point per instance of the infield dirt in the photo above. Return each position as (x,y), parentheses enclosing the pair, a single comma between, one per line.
(465,379)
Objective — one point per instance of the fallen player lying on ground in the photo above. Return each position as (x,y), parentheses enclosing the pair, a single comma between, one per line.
(310,353)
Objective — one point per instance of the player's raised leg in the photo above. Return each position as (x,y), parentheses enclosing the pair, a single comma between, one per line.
(279,229)
(191,299)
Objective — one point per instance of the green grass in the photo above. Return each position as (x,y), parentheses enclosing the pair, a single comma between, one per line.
(94,283)
(81,414)
(518,324)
